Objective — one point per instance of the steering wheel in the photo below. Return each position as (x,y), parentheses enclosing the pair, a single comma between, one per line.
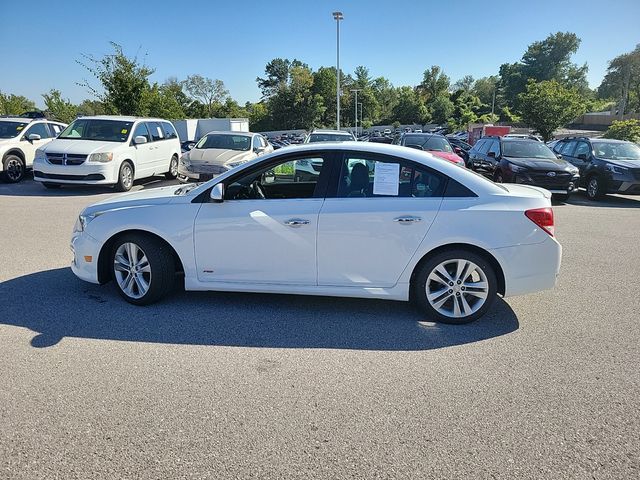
(256,190)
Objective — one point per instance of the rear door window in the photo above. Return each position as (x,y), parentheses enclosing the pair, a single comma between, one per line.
(567,148)
(156,131)
(169,130)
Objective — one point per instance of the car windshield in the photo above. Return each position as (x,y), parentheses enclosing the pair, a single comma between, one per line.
(99,130)
(527,149)
(430,142)
(11,129)
(329,137)
(617,151)
(225,142)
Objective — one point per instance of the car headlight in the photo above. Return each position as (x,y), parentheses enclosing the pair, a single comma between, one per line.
(616,169)
(574,171)
(103,157)
(516,168)
(83,220)
(40,155)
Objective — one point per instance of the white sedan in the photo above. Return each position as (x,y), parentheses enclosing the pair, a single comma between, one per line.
(376,221)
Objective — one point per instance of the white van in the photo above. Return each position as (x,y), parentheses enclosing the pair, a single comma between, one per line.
(108,150)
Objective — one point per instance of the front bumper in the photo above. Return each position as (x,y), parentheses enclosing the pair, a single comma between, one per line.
(84,174)
(86,251)
(193,175)
(555,184)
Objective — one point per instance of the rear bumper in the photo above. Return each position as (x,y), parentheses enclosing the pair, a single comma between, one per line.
(530,268)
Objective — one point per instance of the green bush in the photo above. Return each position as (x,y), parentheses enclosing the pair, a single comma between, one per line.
(624,130)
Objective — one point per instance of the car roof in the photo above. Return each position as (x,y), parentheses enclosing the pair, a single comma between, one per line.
(231,132)
(122,118)
(321,130)
(19,119)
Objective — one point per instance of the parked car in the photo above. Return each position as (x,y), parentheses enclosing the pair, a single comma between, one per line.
(217,152)
(387,131)
(422,242)
(108,150)
(318,135)
(606,166)
(187,145)
(523,136)
(529,162)
(436,144)
(460,148)
(20,137)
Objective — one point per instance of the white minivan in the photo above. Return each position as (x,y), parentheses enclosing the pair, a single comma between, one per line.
(108,150)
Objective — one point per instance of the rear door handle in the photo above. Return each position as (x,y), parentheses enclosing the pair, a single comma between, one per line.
(296,222)
(407,219)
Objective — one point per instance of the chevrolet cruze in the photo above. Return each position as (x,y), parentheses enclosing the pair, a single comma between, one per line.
(375,221)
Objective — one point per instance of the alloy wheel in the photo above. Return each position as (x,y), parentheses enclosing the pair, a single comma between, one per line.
(173,167)
(132,270)
(126,176)
(14,169)
(457,288)
(592,188)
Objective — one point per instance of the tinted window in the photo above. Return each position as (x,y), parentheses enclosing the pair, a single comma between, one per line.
(94,129)
(558,147)
(141,131)
(617,150)
(297,178)
(169,131)
(329,137)
(362,175)
(526,149)
(11,129)
(256,142)
(568,147)
(39,129)
(225,142)
(456,189)
(433,143)
(155,129)
(494,147)
(582,149)
(484,147)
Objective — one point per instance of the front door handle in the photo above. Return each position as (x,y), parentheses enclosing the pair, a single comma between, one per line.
(407,219)
(296,222)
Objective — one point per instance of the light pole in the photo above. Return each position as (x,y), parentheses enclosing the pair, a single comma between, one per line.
(337,16)
(360,107)
(355,105)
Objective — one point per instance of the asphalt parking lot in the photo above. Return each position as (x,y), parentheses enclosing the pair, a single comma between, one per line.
(213,385)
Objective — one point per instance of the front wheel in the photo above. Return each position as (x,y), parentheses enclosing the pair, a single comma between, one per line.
(14,168)
(143,268)
(173,168)
(455,286)
(595,188)
(125,177)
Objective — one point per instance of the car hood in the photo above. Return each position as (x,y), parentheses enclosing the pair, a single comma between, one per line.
(539,163)
(147,197)
(80,147)
(452,157)
(217,156)
(623,163)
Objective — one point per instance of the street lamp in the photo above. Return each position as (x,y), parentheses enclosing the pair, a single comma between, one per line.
(337,16)
(355,109)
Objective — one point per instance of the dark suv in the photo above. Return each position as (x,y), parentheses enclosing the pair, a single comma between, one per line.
(606,166)
(528,162)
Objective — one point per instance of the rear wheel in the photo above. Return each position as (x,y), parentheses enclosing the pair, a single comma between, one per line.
(143,268)
(595,188)
(455,286)
(14,168)
(173,168)
(125,177)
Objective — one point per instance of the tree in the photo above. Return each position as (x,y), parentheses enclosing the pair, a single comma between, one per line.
(362,78)
(11,104)
(410,107)
(434,83)
(441,109)
(91,107)
(59,108)
(124,80)
(484,89)
(622,82)
(324,85)
(549,105)
(466,83)
(277,73)
(211,92)
(160,102)
(624,130)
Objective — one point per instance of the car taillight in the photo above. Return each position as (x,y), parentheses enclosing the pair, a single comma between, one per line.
(543,217)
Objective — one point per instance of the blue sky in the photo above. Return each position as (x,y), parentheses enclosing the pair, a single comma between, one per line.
(233,41)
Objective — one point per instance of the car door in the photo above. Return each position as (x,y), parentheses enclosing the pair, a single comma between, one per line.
(29,147)
(581,156)
(493,156)
(145,152)
(270,240)
(374,219)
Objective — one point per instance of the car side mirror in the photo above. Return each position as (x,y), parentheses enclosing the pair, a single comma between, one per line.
(139,140)
(217,193)
(259,149)
(582,156)
(558,156)
(491,154)
(33,136)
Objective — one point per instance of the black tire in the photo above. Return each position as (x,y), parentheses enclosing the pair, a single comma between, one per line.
(561,197)
(161,278)
(173,168)
(51,185)
(125,177)
(419,287)
(13,168)
(595,188)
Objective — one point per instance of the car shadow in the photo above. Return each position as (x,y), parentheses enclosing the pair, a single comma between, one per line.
(29,188)
(55,304)
(608,201)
